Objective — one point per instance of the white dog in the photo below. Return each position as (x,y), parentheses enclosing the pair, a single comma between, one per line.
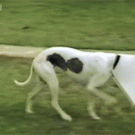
(86,68)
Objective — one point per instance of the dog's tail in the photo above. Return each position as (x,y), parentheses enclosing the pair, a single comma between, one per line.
(27,81)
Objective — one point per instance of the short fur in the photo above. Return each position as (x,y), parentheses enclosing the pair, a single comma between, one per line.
(87,68)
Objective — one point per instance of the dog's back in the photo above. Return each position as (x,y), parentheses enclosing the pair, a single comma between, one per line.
(79,65)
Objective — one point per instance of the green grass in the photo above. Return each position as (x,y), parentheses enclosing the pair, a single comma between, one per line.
(75,23)
(14,120)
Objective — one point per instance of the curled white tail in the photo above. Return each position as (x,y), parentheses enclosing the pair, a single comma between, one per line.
(27,81)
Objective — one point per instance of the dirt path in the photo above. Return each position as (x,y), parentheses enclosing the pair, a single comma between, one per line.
(31,52)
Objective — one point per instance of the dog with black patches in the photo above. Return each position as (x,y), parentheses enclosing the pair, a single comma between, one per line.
(91,69)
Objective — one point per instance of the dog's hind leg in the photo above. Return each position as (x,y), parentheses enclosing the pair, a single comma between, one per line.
(32,94)
(47,73)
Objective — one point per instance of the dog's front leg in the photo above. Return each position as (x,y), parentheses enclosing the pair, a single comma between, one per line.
(91,108)
(108,100)
(96,81)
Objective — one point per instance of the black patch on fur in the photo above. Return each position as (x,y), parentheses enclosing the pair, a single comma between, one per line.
(57,60)
(116,61)
(75,65)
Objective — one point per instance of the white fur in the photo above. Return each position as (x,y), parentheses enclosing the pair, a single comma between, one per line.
(97,69)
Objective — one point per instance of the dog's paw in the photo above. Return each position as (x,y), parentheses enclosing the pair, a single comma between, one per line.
(29,111)
(67,117)
(96,118)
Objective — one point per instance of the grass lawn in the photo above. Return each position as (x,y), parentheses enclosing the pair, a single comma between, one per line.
(14,120)
(85,24)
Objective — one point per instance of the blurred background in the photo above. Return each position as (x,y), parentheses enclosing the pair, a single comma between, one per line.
(89,24)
